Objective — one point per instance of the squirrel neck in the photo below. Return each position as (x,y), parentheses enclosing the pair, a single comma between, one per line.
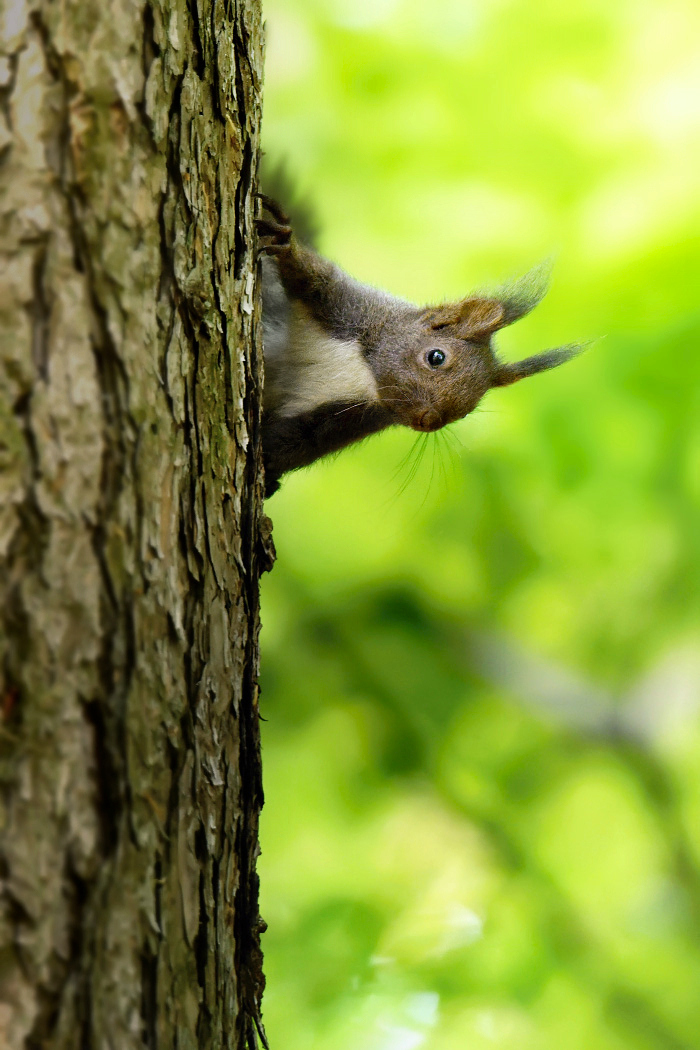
(344,308)
(319,347)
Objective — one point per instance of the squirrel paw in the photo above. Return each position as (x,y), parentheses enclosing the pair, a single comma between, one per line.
(275,233)
(271,205)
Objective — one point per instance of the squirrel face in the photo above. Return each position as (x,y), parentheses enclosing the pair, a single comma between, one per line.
(443,366)
(437,381)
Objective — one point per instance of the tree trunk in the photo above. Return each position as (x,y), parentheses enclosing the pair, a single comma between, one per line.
(130,538)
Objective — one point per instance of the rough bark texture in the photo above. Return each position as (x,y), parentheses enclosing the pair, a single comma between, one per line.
(129,524)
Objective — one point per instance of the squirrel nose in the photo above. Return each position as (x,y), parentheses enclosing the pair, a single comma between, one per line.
(429,420)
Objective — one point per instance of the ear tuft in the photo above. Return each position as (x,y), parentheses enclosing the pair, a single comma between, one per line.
(521,296)
(508,374)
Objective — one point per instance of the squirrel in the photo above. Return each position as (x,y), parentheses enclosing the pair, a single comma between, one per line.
(344,360)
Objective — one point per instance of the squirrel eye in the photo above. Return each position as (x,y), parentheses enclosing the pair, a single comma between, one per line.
(435,358)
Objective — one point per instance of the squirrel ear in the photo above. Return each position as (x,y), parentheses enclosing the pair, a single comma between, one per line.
(479,316)
(508,374)
(470,318)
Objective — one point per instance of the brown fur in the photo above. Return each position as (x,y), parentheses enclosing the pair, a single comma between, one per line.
(349,360)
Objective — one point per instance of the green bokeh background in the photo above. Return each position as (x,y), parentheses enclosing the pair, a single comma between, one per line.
(482,682)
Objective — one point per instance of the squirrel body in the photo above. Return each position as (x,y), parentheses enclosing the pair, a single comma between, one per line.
(344,360)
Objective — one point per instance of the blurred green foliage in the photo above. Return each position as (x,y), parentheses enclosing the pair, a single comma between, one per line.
(481,659)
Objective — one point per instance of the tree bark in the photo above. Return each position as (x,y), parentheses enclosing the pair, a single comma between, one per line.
(130,524)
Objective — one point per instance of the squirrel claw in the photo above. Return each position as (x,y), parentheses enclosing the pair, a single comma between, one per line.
(271,205)
(270,249)
(268,228)
(276,236)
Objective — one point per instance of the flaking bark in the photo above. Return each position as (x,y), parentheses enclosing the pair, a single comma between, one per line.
(130,541)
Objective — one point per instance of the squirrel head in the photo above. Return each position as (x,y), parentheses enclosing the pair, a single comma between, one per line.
(440,371)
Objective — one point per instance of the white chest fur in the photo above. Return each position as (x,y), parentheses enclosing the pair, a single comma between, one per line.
(315,369)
